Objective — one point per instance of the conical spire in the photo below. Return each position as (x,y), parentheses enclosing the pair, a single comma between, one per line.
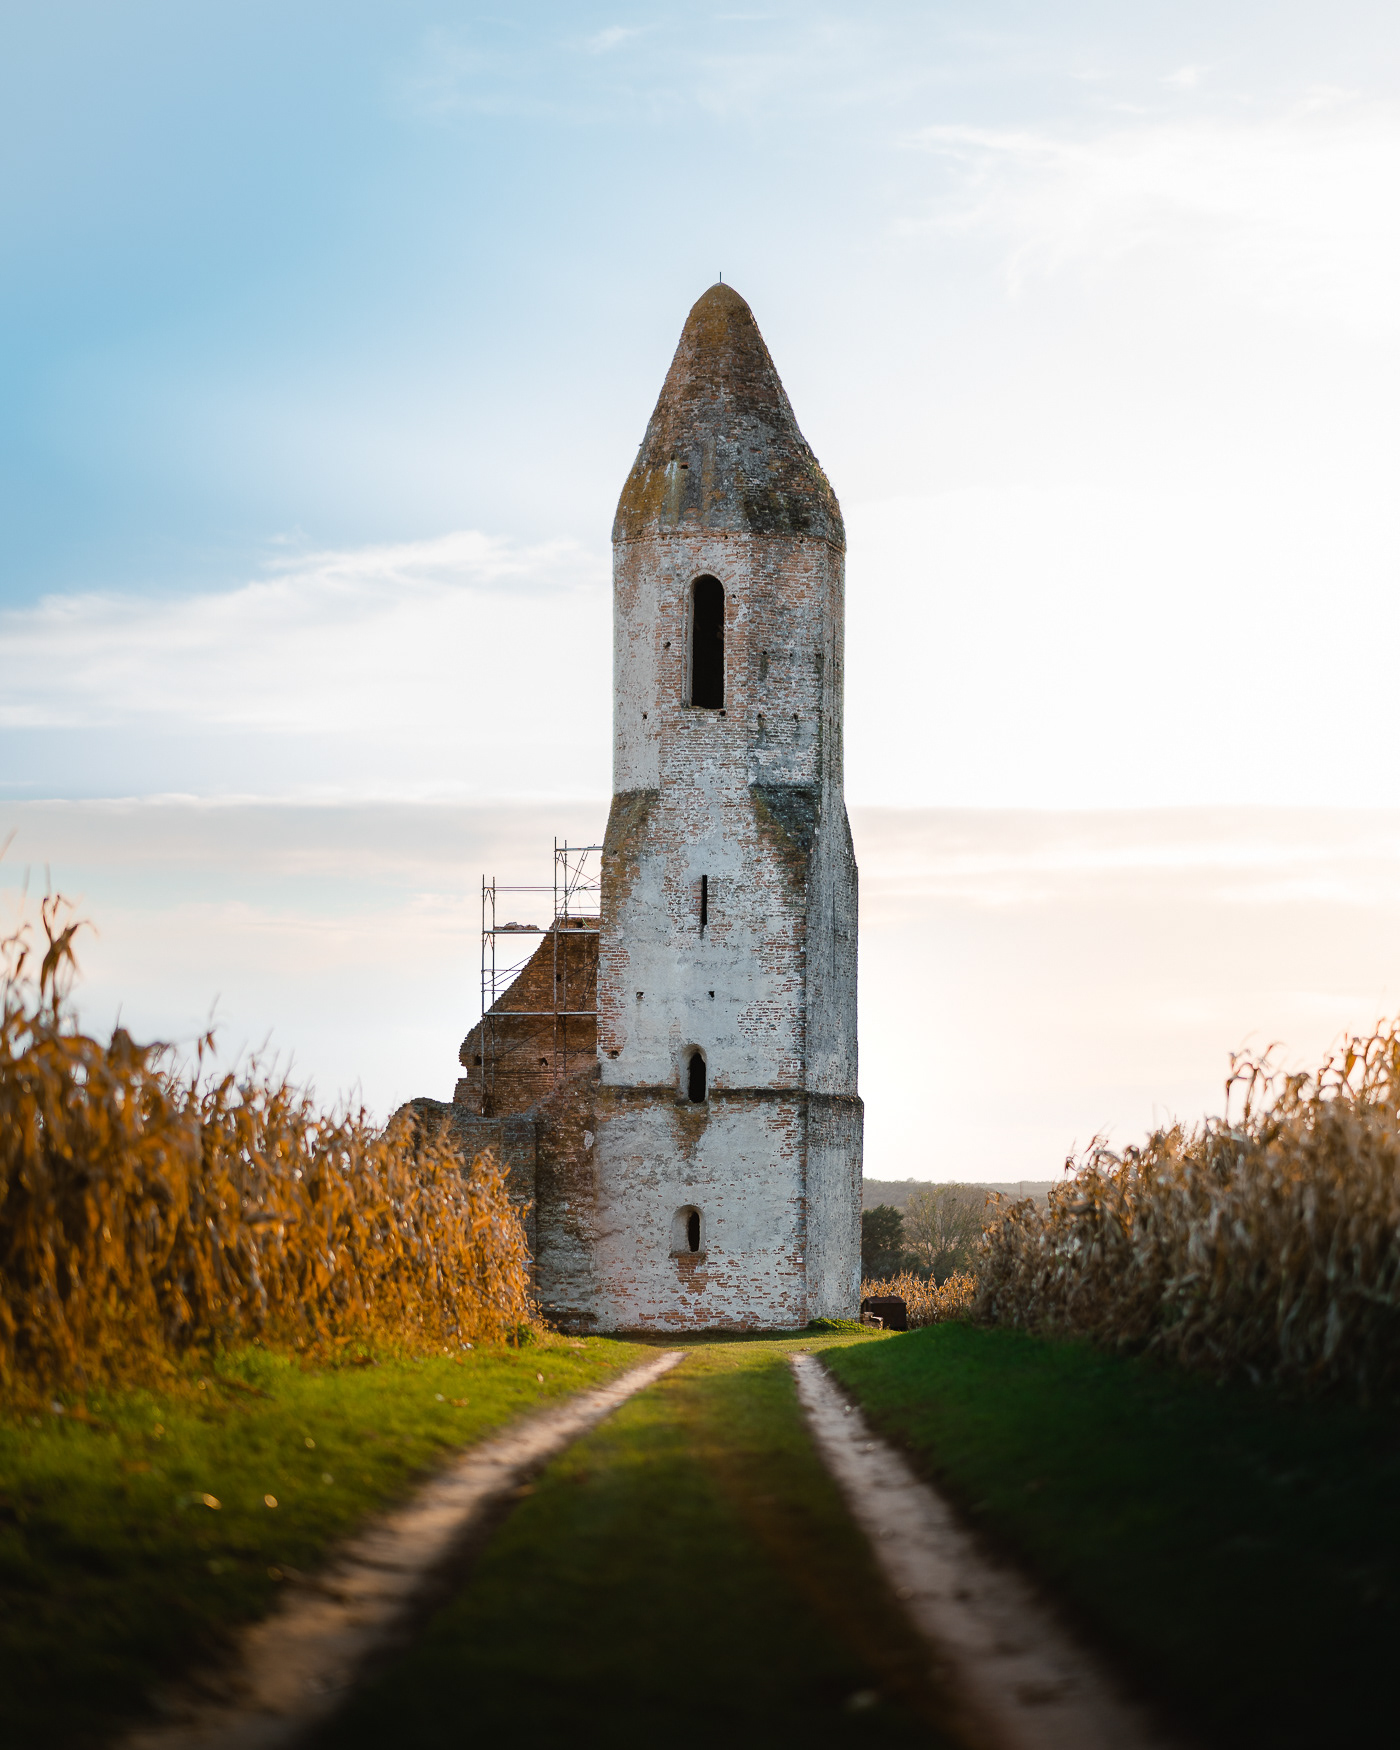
(722,452)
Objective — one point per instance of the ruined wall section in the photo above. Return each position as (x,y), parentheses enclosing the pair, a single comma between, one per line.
(566,1188)
(510,1062)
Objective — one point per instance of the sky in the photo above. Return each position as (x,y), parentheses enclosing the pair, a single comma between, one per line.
(327,334)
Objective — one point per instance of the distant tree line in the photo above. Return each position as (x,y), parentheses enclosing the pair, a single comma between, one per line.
(934,1236)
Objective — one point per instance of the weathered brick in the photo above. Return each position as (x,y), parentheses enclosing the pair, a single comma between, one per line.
(515,1054)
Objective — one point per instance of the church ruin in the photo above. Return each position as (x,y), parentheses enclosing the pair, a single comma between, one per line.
(671,1075)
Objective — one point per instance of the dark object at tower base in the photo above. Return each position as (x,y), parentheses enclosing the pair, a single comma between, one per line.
(889,1309)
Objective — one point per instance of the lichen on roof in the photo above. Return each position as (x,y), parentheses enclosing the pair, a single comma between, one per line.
(722,450)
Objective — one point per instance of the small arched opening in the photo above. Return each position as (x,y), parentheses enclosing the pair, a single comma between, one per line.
(707,643)
(695,1078)
(687,1232)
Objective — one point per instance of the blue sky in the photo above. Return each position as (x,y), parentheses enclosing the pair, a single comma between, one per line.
(327,334)
(1091,313)
(351,274)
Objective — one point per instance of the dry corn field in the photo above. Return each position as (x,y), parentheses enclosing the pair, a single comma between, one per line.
(142,1211)
(1267,1245)
(927,1302)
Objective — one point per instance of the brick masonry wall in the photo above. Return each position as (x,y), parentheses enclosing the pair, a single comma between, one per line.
(749,797)
(567,1193)
(510,1057)
(738,1160)
(834,1147)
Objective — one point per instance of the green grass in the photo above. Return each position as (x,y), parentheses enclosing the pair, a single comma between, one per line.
(684,1575)
(688,1569)
(115,1574)
(1237,1552)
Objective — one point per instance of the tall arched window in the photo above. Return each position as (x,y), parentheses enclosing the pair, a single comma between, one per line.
(695,1078)
(707,643)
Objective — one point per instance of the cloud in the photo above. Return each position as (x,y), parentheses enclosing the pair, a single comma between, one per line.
(1298,211)
(611,38)
(431,665)
(1083,648)
(318,643)
(750,66)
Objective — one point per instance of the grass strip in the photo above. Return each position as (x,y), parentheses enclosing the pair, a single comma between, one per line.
(685,1574)
(138,1527)
(1238,1552)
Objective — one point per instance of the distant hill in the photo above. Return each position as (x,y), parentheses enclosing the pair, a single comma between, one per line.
(897,1192)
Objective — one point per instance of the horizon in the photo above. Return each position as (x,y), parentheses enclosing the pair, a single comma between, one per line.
(349,935)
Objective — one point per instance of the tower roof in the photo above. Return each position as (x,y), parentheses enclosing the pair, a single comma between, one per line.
(722,451)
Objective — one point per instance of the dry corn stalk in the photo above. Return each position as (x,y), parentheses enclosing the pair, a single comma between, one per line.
(927,1302)
(141,1212)
(1267,1246)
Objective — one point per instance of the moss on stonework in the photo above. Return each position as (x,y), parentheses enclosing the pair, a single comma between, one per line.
(627,820)
(787,816)
(722,449)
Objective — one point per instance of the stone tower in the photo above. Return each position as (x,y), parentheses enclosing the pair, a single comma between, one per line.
(685,1144)
(728,1127)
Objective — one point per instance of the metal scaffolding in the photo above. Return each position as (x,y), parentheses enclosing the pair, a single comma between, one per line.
(577,894)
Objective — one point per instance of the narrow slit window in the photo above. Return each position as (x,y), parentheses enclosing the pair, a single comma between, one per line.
(707,643)
(692,1230)
(704,900)
(695,1078)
